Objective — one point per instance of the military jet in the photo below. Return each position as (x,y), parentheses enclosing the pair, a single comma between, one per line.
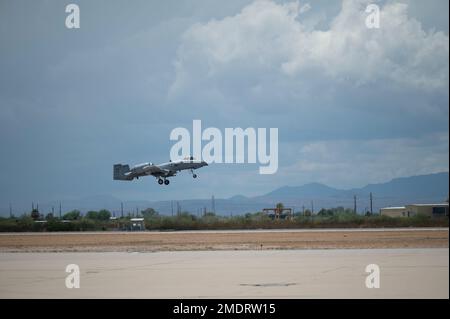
(160,171)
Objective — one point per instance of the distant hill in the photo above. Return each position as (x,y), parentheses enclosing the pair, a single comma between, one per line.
(431,188)
(307,190)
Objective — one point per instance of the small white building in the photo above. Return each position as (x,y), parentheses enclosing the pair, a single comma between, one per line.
(137,224)
(431,210)
(399,211)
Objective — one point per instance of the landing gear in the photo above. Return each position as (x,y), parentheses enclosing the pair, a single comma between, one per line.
(194,175)
(163,181)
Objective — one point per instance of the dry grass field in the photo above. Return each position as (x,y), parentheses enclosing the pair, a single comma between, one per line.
(223,240)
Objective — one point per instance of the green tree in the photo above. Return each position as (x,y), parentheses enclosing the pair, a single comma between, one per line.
(186,216)
(104,214)
(209,214)
(72,215)
(209,217)
(92,214)
(326,212)
(149,213)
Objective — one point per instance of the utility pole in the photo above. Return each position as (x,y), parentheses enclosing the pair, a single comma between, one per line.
(303,210)
(213,205)
(121,209)
(371,209)
(10,210)
(354,204)
(171,206)
(59,210)
(312,207)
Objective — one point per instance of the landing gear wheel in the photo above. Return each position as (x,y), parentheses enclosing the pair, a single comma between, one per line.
(160,181)
(166,182)
(194,175)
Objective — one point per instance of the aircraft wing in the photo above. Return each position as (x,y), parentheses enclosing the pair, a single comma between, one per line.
(155,170)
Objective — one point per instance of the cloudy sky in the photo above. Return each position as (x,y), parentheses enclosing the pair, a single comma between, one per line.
(352,105)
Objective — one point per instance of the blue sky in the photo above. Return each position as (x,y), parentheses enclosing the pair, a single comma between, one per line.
(353,105)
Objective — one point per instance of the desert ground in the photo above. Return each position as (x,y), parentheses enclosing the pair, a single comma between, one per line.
(224,240)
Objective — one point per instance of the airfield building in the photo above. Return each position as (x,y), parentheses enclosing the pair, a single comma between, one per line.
(137,224)
(431,210)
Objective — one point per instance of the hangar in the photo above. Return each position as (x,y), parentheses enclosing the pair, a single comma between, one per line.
(431,210)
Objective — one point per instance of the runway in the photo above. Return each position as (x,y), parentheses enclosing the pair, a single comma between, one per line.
(332,273)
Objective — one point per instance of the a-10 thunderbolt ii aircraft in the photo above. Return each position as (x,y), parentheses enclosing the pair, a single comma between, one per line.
(161,171)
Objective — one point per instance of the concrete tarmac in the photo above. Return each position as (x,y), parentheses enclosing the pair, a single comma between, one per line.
(334,273)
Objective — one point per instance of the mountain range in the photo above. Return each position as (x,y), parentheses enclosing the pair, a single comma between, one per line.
(431,188)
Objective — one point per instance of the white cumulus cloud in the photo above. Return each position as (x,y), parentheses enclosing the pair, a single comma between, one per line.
(267,40)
